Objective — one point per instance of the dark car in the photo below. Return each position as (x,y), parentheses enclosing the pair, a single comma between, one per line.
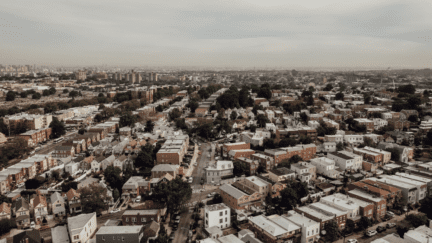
(380,229)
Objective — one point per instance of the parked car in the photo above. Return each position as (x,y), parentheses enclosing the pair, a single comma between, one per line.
(390,225)
(352,241)
(371,233)
(32,225)
(138,199)
(390,213)
(209,196)
(380,229)
(115,210)
(190,180)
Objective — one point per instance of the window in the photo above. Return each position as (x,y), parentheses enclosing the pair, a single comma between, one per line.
(143,219)
(134,219)
(220,213)
(220,221)
(226,212)
(127,219)
(226,220)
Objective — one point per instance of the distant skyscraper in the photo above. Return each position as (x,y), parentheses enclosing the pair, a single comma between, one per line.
(118,76)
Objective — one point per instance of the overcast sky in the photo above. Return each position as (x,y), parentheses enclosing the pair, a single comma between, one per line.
(252,33)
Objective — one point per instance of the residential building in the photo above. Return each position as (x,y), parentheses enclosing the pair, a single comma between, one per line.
(60,234)
(227,147)
(379,203)
(116,234)
(5,211)
(141,217)
(264,160)
(27,236)
(274,229)
(243,153)
(326,167)
(57,204)
(21,210)
(217,215)
(309,228)
(346,160)
(82,227)
(237,199)
(161,170)
(281,174)
(74,201)
(135,186)
(251,165)
(305,171)
(40,207)
(305,151)
(220,170)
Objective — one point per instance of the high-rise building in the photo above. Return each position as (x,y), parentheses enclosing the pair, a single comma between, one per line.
(118,76)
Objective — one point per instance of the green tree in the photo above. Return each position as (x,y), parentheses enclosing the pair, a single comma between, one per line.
(401,230)
(413,118)
(233,115)
(58,128)
(73,94)
(65,91)
(113,177)
(172,194)
(149,126)
(193,105)
(332,231)
(46,93)
(350,226)
(262,120)
(94,198)
(426,206)
(144,160)
(36,96)
(339,96)
(240,169)
(10,96)
(364,223)
(116,194)
(66,186)
(127,119)
(340,146)
(5,226)
(98,117)
(82,131)
(174,114)
(328,87)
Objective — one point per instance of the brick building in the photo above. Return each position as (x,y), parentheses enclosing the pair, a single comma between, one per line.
(33,137)
(227,147)
(141,217)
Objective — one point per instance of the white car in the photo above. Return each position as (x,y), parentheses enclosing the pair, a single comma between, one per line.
(190,180)
(352,241)
(138,199)
(371,232)
(115,210)
(32,225)
(21,184)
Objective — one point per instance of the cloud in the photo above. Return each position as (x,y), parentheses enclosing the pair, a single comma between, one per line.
(216,33)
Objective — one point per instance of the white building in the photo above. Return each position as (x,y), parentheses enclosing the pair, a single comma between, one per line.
(379,123)
(386,115)
(82,227)
(343,202)
(313,124)
(325,167)
(353,139)
(329,146)
(217,215)
(309,228)
(346,160)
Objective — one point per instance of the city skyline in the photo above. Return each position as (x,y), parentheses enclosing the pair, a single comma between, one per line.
(334,34)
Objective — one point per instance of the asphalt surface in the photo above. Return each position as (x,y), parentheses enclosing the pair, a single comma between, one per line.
(50,146)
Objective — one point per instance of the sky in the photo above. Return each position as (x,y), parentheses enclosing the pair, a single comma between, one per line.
(218,33)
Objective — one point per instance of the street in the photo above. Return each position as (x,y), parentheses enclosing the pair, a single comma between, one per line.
(50,146)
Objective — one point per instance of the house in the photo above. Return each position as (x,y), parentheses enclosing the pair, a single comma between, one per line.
(116,234)
(141,217)
(135,186)
(405,153)
(87,182)
(326,167)
(305,171)
(329,146)
(21,210)
(160,170)
(27,236)
(109,161)
(57,204)
(151,230)
(120,162)
(281,174)
(379,203)
(40,207)
(74,201)
(217,215)
(82,227)
(346,160)
(251,165)
(323,213)
(243,153)
(309,228)
(265,161)
(219,171)
(238,199)
(63,151)
(60,234)
(5,211)
(227,147)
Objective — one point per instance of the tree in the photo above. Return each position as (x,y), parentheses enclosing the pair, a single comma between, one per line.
(262,120)
(364,223)
(417,220)
(82,131)
(127,120)
(94,198)
(113,178)
(401,230)
(174,114)
(332,231)
(10,96)
(98,117)
(34,183)
(233,115)
(5,226)
(144,160)
(426,206)
(395,154)
(193,105)
(36,96)
(340,146)
(149,126)
(339,96)
(58,128)
(413,118)
(23,94)
(350,226)
(408,89)
(287,142)
(66,186)
(46,93)
(240,169)
(172,194)
(265,92)
(217,199)
(56,175)
(328,87)
(65,91)
(73,94)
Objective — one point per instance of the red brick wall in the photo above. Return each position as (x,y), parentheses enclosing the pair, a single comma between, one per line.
(168,158)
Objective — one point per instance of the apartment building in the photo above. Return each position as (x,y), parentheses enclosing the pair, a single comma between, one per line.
(305,171)
(421,187)
(33,137)
(379,203)
(369,156)
(251,165)
(281,174)
(334,138)
(141,217)
(220,170)
(274,229)
(173,150)
(116,234)
(326,167)
(243,153)
(237,199)
(32,121)
(346,160)
(82,227)
(417,178)
(218,215)
(324,213)
(389,193)
(370,126)
(386,156)
(227,147)
(305,151)
(264,160)
(309,228)
(63,151)
(353,139)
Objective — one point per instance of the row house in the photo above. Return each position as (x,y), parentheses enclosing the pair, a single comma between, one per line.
(379,203)
(141,217)
(218,171)
(296,133)
(63,151)
(399,125)
(346,160)
(405,153)
(386,156)
(58,205)
(227,147)
(369,156)
(33,137)
(281,174)
(251,165)
(366,122)
(323,214)
(102,131)
(421,186)
(79,144)
(243,153)
(265,161)
(74,201)
(336,117)
(334,138)
(305,171)
(115,234)
(173,150)
(379,123)
(309,228)
(237,199)
(274,229)
(417,178)
(354,139)
(389,193)
(326,167)
(29,168)
(305,151)
(355,207)
(14,176)
(32,121)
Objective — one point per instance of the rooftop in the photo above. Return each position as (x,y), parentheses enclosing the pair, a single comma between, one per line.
(112,230)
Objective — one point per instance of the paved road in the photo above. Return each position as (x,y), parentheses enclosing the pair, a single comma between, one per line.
(202,161)
(50,146)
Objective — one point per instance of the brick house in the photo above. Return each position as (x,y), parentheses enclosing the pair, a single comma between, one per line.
(379,202)
(227,147)
(237,199)
(252,165)
(141,217)
(274,229)
(243,153)
(33,137)
(64,151)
